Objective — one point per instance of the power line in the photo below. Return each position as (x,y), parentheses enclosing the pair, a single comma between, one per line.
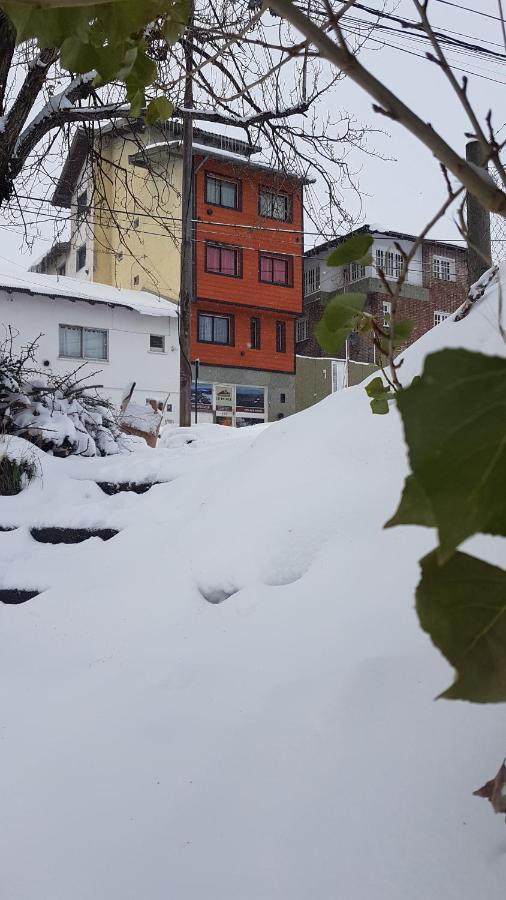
(477,12)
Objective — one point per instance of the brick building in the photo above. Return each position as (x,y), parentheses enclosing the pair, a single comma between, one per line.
(436,285)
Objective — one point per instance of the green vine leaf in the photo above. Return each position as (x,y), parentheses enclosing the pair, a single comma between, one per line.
(107,37)
(340,317)
(454,420)
(355,249)
(461,604)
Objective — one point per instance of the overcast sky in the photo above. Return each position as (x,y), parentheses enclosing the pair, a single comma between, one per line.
(401,194)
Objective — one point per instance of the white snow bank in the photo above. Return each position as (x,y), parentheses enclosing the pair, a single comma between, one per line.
(281,744)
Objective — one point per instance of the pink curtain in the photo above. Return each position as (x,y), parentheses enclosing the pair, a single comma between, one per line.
(228,262)
(280,271)
(213,259)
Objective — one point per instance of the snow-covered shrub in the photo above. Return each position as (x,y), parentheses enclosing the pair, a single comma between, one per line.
(61,414)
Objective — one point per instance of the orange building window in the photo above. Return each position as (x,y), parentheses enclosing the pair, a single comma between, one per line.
(273,205)
(222,259)
(276,269)
(280,337)
(255,333)
(215,329)
(222,192)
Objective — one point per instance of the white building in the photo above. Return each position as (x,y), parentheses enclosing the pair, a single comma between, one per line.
(122,335)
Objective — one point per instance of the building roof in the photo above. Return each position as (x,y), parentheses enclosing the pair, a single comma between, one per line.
(207,142)
(151,151)
(72,289)
(72,168)
(60,248)
(368,229)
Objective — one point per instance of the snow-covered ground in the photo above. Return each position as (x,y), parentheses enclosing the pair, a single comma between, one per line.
(283,744)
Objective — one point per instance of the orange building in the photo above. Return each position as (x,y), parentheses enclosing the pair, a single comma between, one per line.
(248,249)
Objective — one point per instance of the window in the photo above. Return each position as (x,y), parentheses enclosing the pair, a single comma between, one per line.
(440,316)
(276,269)
(311,279)
(82,205)
(301,329)
(280,337)
(255,333)
(223,260)
(282,398)
(393,264)
(157,342)
(222,192)
(83,343)
(135,222)
(357,271)
(81,258)
(214,329)
(443,268)
(273,205)
(61,269)
(380,260)
(136,280)
(387,312)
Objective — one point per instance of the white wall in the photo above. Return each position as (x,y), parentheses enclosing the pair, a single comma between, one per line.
(156,374)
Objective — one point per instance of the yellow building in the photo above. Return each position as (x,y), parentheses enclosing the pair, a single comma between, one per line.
(123,193)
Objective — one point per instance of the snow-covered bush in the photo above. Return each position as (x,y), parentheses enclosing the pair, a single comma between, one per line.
(62,414)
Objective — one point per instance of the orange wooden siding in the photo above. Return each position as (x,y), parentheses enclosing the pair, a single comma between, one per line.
(260,234)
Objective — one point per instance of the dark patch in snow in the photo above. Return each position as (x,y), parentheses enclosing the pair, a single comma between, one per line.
(111,488)
(70,535)
(15,595)
(8,528)
(217,594)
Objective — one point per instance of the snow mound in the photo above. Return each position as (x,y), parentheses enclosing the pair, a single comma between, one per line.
(232,698)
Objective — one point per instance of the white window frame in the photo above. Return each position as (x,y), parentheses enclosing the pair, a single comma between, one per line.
(440,315)
(301,329)
(311,279)
(357,271)
(157,349)
(387,311)
(83,329)
(443,268)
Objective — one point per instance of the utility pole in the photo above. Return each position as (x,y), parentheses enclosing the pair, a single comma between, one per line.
(186,282)
(479,257)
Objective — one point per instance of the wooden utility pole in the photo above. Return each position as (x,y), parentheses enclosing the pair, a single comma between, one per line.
(186,282)
(479,257)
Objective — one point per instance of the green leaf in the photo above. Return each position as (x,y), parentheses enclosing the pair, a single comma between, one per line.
(462,606)
(340,317)
(414,508)
(380,406)
(159,110)
(455,426)
(352,250)
(376,387)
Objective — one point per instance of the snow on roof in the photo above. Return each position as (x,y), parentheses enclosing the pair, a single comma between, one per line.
(143,302)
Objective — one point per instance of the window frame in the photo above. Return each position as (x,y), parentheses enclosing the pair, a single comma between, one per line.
(255,333)
(263,189)
(212,315)
(280,336)
(441,313)
(301,321)
(157,349)
(81,249)
(452,268)
(216,245)
(387,311)
(82,329)
(216,176)
(285,257)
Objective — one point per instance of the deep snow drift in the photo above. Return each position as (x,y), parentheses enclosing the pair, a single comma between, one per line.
(283,743)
